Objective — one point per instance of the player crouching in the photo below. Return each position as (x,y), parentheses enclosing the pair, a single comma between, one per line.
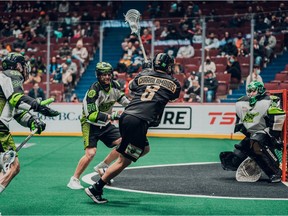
(261,120)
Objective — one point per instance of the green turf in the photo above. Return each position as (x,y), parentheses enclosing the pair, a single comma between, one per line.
(40,188)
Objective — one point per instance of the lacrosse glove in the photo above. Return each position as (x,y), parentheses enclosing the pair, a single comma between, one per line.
(43,109)
(35,123)
(115,116)
(147,64)
(277,143)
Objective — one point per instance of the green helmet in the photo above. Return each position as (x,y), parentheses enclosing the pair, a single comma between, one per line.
(103,68)
(256,86)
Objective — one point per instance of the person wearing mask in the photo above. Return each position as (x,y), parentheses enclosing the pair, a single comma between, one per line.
(255,76)
(233,67)
(208,66)
(210,86)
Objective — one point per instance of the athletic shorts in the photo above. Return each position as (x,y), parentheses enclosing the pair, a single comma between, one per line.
(6,142)
(92,134)
(133,132)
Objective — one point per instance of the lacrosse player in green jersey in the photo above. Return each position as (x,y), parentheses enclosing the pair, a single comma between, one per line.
(14,104)
(96,121)
(260,118)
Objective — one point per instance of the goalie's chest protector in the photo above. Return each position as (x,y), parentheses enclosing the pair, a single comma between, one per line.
(253,118)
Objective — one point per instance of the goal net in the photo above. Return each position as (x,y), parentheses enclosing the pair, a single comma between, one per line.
(282,155)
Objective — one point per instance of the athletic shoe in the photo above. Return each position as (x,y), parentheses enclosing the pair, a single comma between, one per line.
(99,166)
(74,184)
(101,172)
(95,195)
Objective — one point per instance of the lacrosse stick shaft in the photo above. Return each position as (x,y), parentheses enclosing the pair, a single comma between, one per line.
(142,48)
(26,140)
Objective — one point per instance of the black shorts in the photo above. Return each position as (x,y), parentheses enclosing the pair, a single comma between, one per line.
(92,134)
(133,132)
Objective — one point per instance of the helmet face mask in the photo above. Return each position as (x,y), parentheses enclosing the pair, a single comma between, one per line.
(255,90)
(163,62)
(104,73)
(16,61)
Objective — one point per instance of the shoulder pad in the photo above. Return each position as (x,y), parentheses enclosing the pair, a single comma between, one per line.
(243,98)
(115,84)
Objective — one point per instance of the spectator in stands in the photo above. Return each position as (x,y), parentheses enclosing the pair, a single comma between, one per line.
(67,26)
(103,16)
(173,34)
(211,42)
(146,36)
(242,51)
(225,39)
(193,93)
(37,92)
(79,32)
(3,51)
(197,38)
(171,51)
(185,32)
(157,29)
(255,76)
(269,42)
(239,40)
(6,31)
(65,50)
(229,49)
(186,51)
(19,45)
(189,81)
(75,19)
(129,50)
(258,51)
(34,76)
(41,67)
(89,31)
(16,30)
(210,86)
(209,65)
(81,54)
(27,35)
(236,21)
(233,68)
(136,63)
(164,33)
(70,67)
(64,7)
(55,70)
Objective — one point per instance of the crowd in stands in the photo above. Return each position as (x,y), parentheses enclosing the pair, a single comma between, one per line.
(226,44)
(74,39)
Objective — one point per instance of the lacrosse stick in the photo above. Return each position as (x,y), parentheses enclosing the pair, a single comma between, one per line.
(8,157)
(248,171)
(132,17)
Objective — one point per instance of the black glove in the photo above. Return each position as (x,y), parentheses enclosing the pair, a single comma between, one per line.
(242,129)
(147,64)
(40,106)
(36,123)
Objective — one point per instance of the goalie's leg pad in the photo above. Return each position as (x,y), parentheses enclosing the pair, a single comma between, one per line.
(264,156)
(230,161)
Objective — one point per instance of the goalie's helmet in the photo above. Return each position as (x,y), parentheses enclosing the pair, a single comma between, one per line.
(12,61)
(163,62)
(258,87)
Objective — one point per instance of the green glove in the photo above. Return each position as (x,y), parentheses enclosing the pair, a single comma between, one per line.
(36,123)
(47,101)
(115,116)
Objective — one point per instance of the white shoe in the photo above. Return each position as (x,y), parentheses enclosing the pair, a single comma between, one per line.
(101,172)
(74,184)
(101,165)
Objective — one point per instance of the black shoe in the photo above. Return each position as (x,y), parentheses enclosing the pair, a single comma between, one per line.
(275,178)
(95,195)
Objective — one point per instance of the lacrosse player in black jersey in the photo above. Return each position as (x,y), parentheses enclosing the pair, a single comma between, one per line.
(96,121)
(153,89)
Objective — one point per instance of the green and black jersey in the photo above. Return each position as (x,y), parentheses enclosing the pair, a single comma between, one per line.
(265,115)
(152,91)
(12,99)
(98,103)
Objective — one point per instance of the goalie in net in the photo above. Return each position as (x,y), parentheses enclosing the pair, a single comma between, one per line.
(260,119)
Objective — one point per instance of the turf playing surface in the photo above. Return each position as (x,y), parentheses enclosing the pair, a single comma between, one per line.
(40,188)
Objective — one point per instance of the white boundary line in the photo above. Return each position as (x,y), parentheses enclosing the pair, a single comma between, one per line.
(87,179)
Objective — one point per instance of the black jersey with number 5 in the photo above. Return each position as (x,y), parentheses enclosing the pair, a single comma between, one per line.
(152,91)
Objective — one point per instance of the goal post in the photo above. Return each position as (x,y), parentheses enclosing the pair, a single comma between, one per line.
(282,94)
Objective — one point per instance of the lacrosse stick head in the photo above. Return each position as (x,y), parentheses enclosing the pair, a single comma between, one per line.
(6,159)
(132,17)
(248,171)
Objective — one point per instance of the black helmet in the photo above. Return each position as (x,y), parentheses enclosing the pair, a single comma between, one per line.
(163,62)
(103,68)
(10,62)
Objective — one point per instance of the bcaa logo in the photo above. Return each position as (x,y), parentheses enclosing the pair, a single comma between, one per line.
(222,118)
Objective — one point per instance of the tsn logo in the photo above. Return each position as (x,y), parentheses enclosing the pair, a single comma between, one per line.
(222,118)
